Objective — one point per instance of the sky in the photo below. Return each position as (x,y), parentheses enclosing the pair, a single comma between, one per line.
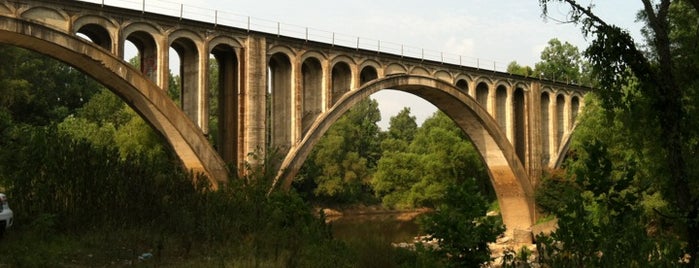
(497,31)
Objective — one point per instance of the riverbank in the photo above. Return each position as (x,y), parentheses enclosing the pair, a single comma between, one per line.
(333,213)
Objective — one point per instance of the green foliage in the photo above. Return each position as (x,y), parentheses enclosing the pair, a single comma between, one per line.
(651,92)
(515,68)
(439,155)
(37,90)
(461,227)
(341,164)
(608,187)
(561,62)
(402,126)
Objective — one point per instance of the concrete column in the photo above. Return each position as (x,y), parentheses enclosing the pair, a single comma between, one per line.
(162,62)
(490,105)
(354,74)
(553,130)
(326,97)
(534,150)
(203,81)
(472,89)
(327,86)
(254,82)
(296,101)
(568,110)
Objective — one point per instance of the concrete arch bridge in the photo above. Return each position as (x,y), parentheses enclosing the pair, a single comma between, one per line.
(284,92)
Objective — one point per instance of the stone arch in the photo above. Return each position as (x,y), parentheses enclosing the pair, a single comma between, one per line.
(417,70)
(395,68)
(367,74)
(509,179)
(340,80)
(342,58)
(312,91)
(224,40)
(280,94)
(483,93)
(145,97)
(184,34)
(519,140)
(462,84)
(226,132)
(144,36)
(187,45)
(321,57)
(50,17)
(545,104)
(444,75)
(575,105)
(373,64)
(289,52)
(560,119)
(6,9)
(100,30)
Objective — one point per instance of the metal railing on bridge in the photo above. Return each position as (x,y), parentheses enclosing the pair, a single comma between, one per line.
(226,18)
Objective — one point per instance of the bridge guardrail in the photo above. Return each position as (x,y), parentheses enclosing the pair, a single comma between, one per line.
(227,18)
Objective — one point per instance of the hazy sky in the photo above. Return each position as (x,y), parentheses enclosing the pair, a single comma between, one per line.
(491,30)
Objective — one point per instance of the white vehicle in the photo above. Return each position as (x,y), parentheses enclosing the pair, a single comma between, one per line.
(6,215)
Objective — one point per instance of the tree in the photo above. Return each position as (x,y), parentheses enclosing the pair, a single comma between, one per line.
(661,80)
(515,68)
(607,187)
(561,62)
(461,226)
(402,126)
(438,156)
(36,89)
(341,164)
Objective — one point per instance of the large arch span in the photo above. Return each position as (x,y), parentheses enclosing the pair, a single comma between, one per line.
(506,172)
(146,98)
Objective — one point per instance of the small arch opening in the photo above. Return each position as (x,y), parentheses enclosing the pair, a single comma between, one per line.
(341,80)
(147,57)
(482,93)
(462,85)
(312,73)
(501,107)
(279,103)
(560,119)
(367,74)
(545,129)
(223,102)
(574,109)
(188,54)
(96,34)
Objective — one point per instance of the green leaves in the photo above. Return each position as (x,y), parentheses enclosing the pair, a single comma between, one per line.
(341,164)
(417,175)
(461,227)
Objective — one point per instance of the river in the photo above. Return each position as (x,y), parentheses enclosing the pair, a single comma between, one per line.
(387,226)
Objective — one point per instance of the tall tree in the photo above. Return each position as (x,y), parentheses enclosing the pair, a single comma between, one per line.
(342,162)
(664,82)
(440,155)
(401,131)
(561,62)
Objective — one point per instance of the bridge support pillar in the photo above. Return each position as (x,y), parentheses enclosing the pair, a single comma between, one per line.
(254,81)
